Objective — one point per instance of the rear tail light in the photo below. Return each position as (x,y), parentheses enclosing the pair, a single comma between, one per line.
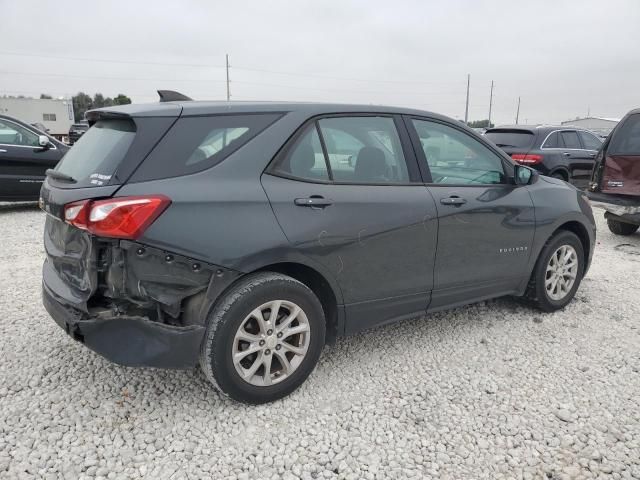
(527,159)
(123,217)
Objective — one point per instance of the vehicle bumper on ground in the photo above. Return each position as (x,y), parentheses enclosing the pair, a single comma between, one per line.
(129,340)
(624,207)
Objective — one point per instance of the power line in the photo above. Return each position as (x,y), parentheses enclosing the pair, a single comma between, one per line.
(62,75)
(103,60)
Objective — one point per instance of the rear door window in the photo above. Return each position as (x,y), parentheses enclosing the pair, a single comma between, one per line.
(364,149)
(95,157)
(510,138)
(196,143)
(553,141)
(590,141)
(626,138)
(570,139)
(304,158)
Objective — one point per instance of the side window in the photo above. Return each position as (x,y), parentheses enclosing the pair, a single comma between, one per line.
(304,158)
(590,141)
(553,141)
(570,139)
(364,149)
(456,158)
(626,137)
(195,143)
(13,134)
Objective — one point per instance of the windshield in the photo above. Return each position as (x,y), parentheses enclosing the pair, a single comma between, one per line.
(95,157)
(510,138)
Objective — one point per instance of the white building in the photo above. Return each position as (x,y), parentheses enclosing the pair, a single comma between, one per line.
(54,114)
(599,125)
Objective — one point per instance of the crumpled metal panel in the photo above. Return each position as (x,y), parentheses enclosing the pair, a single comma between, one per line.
(621,175)
(70,264)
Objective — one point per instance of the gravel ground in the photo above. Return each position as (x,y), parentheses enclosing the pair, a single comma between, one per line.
(494,390)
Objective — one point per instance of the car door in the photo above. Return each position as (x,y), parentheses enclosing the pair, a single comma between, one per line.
(348,195)
(23,161)
(590,146)
(579,160)
(486,223)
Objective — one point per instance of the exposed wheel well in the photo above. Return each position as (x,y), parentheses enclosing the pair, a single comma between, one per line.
(562,172)
(582,234)
(319,285)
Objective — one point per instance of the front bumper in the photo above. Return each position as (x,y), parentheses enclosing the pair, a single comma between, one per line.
(129,340)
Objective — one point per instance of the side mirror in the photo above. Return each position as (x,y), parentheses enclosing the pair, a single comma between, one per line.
(523,175)
(43,141)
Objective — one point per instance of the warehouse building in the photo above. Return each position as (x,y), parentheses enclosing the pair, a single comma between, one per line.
(55,114)
(599,125)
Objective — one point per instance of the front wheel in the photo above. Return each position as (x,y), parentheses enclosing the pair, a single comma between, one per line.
(558,272)
(263,338)
(621,228)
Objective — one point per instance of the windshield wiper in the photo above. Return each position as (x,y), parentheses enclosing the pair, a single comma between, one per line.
(59,176)
(505,145)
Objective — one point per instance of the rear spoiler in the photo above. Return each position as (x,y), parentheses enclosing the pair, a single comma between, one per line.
(171,96)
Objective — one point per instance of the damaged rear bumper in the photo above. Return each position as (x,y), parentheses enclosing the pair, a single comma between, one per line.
(616,204)
(129,340)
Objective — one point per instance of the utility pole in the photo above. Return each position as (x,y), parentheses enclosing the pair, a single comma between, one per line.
(466,109)
(228,90)
(518,111)
(490,102)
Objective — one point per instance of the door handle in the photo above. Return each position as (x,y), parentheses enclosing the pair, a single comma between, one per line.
(314,201)
(2,151)
(456,201)
(592,155)
(566,154)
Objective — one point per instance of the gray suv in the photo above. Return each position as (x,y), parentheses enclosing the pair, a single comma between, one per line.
(244,236)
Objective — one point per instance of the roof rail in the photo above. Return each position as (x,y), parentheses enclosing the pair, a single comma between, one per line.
(171,96)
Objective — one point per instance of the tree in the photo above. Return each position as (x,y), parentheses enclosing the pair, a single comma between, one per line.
(121,99)
(481,124)
(44,96)
(98,101)
(81,103)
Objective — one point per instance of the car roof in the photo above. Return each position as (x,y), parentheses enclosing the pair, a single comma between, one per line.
(187,108)
(543,129)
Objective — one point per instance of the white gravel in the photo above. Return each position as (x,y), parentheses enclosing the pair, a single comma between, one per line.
(494,390)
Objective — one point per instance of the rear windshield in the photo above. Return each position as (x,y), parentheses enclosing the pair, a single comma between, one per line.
(196,143)
(626,138)
(510,138)
(93,159)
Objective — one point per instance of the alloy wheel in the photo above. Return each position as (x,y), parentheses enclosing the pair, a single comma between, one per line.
(271,343)
(561,272)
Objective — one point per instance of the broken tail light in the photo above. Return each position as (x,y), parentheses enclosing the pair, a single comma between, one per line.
(122,217)
(527,159)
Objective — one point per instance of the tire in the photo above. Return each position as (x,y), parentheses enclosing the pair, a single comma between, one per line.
(537,292)
(234,318)
(621,228)
(559,176)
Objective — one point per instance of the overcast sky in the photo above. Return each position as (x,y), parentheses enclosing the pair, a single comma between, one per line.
(564,58)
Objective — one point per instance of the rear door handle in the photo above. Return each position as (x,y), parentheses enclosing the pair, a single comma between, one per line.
(314,201)
(592,155)
(453,201)
(2,151)
(566,154)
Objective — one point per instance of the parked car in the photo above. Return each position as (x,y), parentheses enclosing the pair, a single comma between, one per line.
(566,153)
(615,184)
(25,155)
(76,131)
(237,236)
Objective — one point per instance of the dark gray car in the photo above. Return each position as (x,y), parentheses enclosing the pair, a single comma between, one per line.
(244,236)
(563,152)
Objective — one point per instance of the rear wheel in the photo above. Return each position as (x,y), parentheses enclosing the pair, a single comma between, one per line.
(621,228)
(558,272)
(559,176)
(263,338)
